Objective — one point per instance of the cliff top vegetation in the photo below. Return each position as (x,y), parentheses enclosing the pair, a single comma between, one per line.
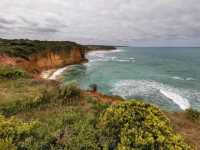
(25,48)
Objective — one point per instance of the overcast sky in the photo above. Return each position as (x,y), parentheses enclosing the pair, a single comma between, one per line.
(121,22)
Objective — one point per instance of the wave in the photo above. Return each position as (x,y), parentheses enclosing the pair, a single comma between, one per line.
(103,59)
(103,52)
(126,60)
(152,91)
(106,56)
(46,74)
(112,59)
(57,73)
(190,79)
(177,78)
(179,100)
(180,78)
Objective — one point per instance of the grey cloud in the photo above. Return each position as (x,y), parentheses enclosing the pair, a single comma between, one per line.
(5,24)
(3,27)
(28,22)
(37,29)
(6,21)
(133,22)
(45,30)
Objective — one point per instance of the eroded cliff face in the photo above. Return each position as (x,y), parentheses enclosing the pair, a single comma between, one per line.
(36,56)
(47,59)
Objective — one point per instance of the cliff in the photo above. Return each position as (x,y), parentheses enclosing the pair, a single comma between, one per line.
(36,56)
(100,47)
(48,59)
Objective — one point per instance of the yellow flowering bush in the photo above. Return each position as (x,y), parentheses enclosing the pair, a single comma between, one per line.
(14,133)
(141,126)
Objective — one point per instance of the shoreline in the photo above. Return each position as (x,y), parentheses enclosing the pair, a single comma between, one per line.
(53,74)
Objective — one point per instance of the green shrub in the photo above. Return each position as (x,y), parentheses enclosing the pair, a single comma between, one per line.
(6,144)
(136,125)
(12,73)
(95,104)
(193,114)
(18,135)
(80,131)
(15,133)
(69,94)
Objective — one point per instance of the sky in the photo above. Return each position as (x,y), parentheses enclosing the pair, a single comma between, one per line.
(111,22)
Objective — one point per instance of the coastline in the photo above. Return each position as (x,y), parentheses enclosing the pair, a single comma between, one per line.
(50,78)
(175,97)
(53,74)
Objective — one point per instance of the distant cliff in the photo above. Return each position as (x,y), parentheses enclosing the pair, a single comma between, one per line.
(36,56)
(100,47)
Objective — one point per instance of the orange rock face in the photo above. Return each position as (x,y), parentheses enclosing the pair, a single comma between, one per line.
(4,59)
(45,60)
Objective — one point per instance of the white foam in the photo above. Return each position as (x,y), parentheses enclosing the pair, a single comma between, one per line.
(46,74)
(179,100)
(123,60)
(57,73)
(177,78)
(144,88)
(104,56)
(111,59)
(131,88)
(102,52)
(180,78)
(190,79)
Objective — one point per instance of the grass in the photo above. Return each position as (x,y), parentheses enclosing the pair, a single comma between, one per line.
(19,90)
(187,127)
(59,95)
(194,115)
(16,84)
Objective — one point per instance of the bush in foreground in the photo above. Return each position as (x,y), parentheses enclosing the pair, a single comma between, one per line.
(136,125)
(14,133)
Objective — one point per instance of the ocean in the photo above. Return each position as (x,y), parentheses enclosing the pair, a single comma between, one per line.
(166,77)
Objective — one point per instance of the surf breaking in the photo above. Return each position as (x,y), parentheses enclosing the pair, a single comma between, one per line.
(150,90)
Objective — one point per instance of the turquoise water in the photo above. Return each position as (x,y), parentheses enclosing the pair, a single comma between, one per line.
(167,77)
